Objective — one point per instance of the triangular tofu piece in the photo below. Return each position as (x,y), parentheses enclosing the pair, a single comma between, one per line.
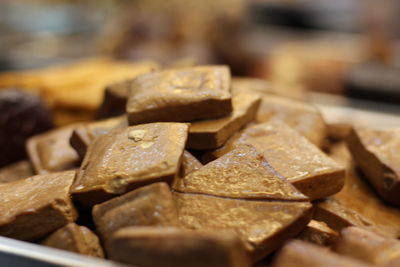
(242,173)
(304,165)
(262,225)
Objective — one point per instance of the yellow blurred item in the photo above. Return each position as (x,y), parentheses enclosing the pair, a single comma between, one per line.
(74,91)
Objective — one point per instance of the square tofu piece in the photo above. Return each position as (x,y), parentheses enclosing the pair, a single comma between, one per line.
(36,206)
(51,151)
(211,134)
(173,247)
(309,169)
(150,205)
(377,154)
(182,94)
(128,158)
(75,238)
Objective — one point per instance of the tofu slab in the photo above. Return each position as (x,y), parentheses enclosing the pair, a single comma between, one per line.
(368,246)
(128,158)
(319,233)
(16,171)
(83,135)
(150,205)
(242,173)
(262,225)
(302,117)
(310,170)
(173,247)
(182,94)
(51,151)
(211,134)
(36,206)
(376,153)
(75,238)
(302,254)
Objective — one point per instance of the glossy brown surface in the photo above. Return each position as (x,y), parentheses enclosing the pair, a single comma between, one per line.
(262,225)
(128,158)
(242,173)
(75,238)
(173,247)
(51,151)
(302,117)
(302,254)
(16,171)
(189,164)
(150,205)
(357,203)
(35,206)
(376,153)
(318,233)
(84,134)
(294,157)
(210,134)
(368,246)
(182,94)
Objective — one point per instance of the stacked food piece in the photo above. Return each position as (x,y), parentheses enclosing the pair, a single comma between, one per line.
(189,167)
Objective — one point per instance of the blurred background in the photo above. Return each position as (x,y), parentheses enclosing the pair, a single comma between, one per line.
(68,51)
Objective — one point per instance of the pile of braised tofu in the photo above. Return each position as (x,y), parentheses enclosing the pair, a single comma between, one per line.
(191,167)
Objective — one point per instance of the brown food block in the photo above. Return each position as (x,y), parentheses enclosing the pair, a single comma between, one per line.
(75,238)
(291,155)
(340,153)
(35,206)
(376,153)
(302,117)
(115,99)
(173,247)
(368,246)
(348,207)
(210,134)
(318,233)
(16,171)
(189,163)
(262,225)
(241,173)
(245,84)
(84,134)
(183,94)
(127,158)
(150,205)
(51,151)
(298,253)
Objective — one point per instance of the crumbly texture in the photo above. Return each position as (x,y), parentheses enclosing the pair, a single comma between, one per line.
(36,206)
(262,225)
(309,169)
(242,173)
(52,152)
(16,171)
(127,158)
(210,134)
(173,247)
(376,153)
(182,94)
(75,238)
(150,205)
